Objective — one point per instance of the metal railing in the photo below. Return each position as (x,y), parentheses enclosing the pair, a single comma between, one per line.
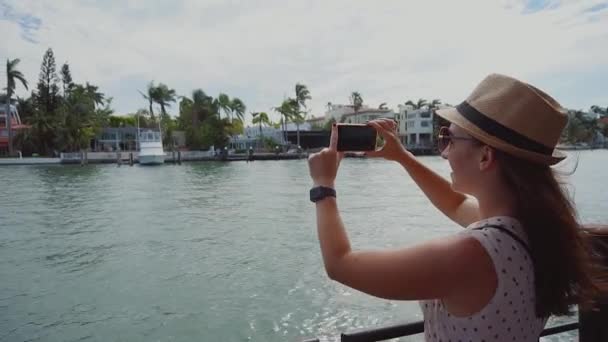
(401,330)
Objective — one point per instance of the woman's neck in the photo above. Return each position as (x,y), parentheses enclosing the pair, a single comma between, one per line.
(496,200)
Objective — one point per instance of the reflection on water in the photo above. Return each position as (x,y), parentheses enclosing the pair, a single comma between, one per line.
(206,251)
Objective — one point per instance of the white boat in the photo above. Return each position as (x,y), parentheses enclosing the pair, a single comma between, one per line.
(150,146)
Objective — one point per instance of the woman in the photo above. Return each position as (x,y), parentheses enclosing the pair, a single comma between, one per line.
(522,256)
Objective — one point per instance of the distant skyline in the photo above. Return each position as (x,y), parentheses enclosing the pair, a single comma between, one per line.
(388,51)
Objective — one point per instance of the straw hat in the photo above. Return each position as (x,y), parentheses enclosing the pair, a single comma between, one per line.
(512,116)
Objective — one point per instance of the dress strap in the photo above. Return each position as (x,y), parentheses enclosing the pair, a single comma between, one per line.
(510,233)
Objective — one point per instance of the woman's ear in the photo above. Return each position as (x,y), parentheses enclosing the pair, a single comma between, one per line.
(487,158)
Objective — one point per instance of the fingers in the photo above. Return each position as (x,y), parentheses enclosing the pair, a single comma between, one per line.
(384,132)
(333,140)
(388,124)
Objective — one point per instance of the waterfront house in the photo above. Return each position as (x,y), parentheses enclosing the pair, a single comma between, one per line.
(16,126)
(347,114)
(415,127)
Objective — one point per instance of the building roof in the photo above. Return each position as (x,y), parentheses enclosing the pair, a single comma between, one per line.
(368,111)
(315,119)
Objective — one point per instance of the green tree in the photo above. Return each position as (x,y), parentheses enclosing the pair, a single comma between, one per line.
(122,121)
(225,105)
(26,107)
(356,101)
(287,110)
(12,76)
(80,119)
(66,78)
(150,95)
(46,100)
(260,118)
(184,118)
(418,105)
(200,118)
(299,116)
(238,108)
(93,93)
(164,96)
(47,90)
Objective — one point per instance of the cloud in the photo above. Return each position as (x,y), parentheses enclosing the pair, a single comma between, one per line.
(28,24)
(257,50)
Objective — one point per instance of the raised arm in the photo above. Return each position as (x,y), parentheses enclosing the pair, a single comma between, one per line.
(436,269)
(458,207)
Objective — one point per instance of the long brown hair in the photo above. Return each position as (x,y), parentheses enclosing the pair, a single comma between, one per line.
(566,270)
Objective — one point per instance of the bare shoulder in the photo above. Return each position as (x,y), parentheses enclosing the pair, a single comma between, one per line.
(467,213)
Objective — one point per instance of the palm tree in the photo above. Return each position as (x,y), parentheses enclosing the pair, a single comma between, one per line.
(421,103)
(260,118)
(202,106)
(434,104)
(302,94)
(97,97)
(357,101)
(224,104)
(382,106)
(163,95)
(237,107)
(12,74)
(286,109)
(150,96)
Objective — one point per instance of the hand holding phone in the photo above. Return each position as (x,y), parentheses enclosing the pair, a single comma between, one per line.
(356,137)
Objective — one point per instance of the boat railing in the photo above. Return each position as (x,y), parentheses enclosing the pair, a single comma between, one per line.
(588,331)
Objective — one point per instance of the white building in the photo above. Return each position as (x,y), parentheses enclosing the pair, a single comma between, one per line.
(415,126)
(346,114)
(401,118)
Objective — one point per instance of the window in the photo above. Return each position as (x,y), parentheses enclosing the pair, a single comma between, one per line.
(424,124)
(411,124)
(411,115)
(425,115)
(107,136)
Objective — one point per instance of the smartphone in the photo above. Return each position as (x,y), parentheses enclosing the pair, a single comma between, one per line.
(356,137)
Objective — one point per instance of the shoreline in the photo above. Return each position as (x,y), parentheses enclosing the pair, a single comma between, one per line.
(191,156)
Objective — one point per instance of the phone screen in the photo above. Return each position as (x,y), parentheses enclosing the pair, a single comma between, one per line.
(356,137)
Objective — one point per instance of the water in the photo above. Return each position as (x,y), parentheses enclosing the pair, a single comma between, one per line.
(207,251)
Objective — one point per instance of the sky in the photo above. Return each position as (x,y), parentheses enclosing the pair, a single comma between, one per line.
(389,51)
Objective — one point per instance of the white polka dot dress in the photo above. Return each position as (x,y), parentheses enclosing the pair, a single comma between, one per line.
(510,314)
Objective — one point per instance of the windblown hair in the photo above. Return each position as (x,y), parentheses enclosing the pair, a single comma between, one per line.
(566,268)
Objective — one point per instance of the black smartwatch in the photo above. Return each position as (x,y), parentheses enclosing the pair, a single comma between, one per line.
(320,192)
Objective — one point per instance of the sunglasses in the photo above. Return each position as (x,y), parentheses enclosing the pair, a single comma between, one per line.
(445,138)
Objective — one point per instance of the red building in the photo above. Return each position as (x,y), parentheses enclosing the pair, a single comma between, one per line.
(16,126)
